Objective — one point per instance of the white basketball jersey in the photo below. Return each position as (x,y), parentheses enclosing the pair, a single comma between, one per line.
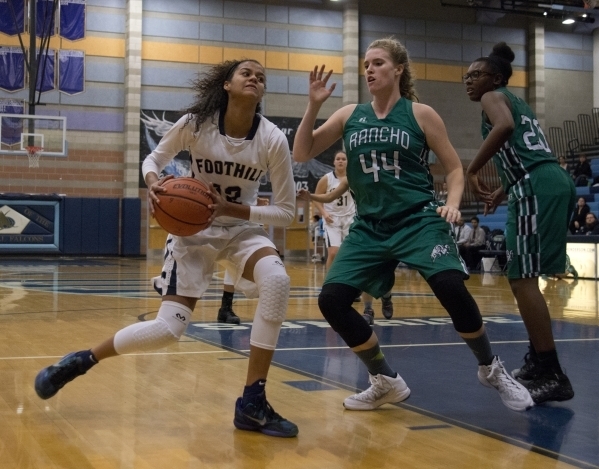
(234,166)
(343,206)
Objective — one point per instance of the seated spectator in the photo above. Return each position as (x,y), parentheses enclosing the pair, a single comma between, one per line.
(461,232)
(579,215)
(316,222)
(470,250)
(563,163)
(591,226)
(582,173)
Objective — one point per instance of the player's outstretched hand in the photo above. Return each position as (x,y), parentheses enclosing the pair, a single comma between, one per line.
(319,92)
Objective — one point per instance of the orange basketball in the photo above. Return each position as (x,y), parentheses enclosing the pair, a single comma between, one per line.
(183,208)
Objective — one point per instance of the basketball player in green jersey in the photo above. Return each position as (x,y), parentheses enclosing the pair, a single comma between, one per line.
(398,219)
(541,197)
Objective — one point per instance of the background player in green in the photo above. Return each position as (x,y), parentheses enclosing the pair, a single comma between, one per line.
(398,219)
(540,199)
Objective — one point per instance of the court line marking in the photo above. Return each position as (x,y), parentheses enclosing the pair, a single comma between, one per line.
(125,354)
(427,345)
(298,349)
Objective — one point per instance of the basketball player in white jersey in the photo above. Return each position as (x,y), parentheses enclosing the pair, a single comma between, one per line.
(231,146)
(338,215)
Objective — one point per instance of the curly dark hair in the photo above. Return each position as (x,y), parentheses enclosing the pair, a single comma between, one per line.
(500,61)
(210,93)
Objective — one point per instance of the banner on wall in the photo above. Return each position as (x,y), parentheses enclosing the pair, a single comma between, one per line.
(72,19)
(12,17)
(154,124)
(45,15)
(11,127)
(71,71)
(45,71)
(12,69)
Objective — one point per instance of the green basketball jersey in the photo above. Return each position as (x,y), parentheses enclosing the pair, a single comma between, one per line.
(387,163)
(526,148)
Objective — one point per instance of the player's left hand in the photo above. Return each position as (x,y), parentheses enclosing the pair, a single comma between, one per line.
(303,194)
(479,188)
(451,214)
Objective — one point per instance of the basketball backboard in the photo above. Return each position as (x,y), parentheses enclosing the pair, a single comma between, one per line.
(19,131)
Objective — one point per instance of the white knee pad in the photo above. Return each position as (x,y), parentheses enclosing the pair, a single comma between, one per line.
(166,329)
(273,284)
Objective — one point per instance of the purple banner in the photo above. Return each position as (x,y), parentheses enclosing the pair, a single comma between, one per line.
(12,69)
(45,71)
(12,16)
(71,78)
(72,19)
(44,18)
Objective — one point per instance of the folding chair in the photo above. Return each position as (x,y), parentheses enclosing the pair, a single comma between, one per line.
(495,251)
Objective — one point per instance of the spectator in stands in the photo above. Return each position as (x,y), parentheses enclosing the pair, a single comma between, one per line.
(582,173)
(579,215)
(590,227)
(563,163)
(540,200)
(442,194)
(461,232)
(471,248)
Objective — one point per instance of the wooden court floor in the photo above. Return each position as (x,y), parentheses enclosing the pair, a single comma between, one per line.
(173,408)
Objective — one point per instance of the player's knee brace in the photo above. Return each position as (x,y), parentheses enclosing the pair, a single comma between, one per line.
(166,329)
(273,285)
(335,303)
(448,286)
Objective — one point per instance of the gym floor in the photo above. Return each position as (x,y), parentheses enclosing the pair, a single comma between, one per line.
(174,407)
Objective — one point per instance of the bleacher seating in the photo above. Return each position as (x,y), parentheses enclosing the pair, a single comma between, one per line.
(495,220)
(594,207)
(582,191)
(502,209)
(493,225)
(498,219)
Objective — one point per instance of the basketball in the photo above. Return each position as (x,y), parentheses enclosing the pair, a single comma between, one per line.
(183,209)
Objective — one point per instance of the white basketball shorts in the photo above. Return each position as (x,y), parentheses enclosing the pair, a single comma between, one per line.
(335,233)
(189,261)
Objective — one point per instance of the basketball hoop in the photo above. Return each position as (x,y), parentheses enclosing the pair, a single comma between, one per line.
(34,153)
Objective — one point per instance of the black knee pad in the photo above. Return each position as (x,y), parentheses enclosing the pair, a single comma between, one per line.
(448,286)
(335,303)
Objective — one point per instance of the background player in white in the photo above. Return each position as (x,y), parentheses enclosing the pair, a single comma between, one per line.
(338,215)
(231,146)
(332,198)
